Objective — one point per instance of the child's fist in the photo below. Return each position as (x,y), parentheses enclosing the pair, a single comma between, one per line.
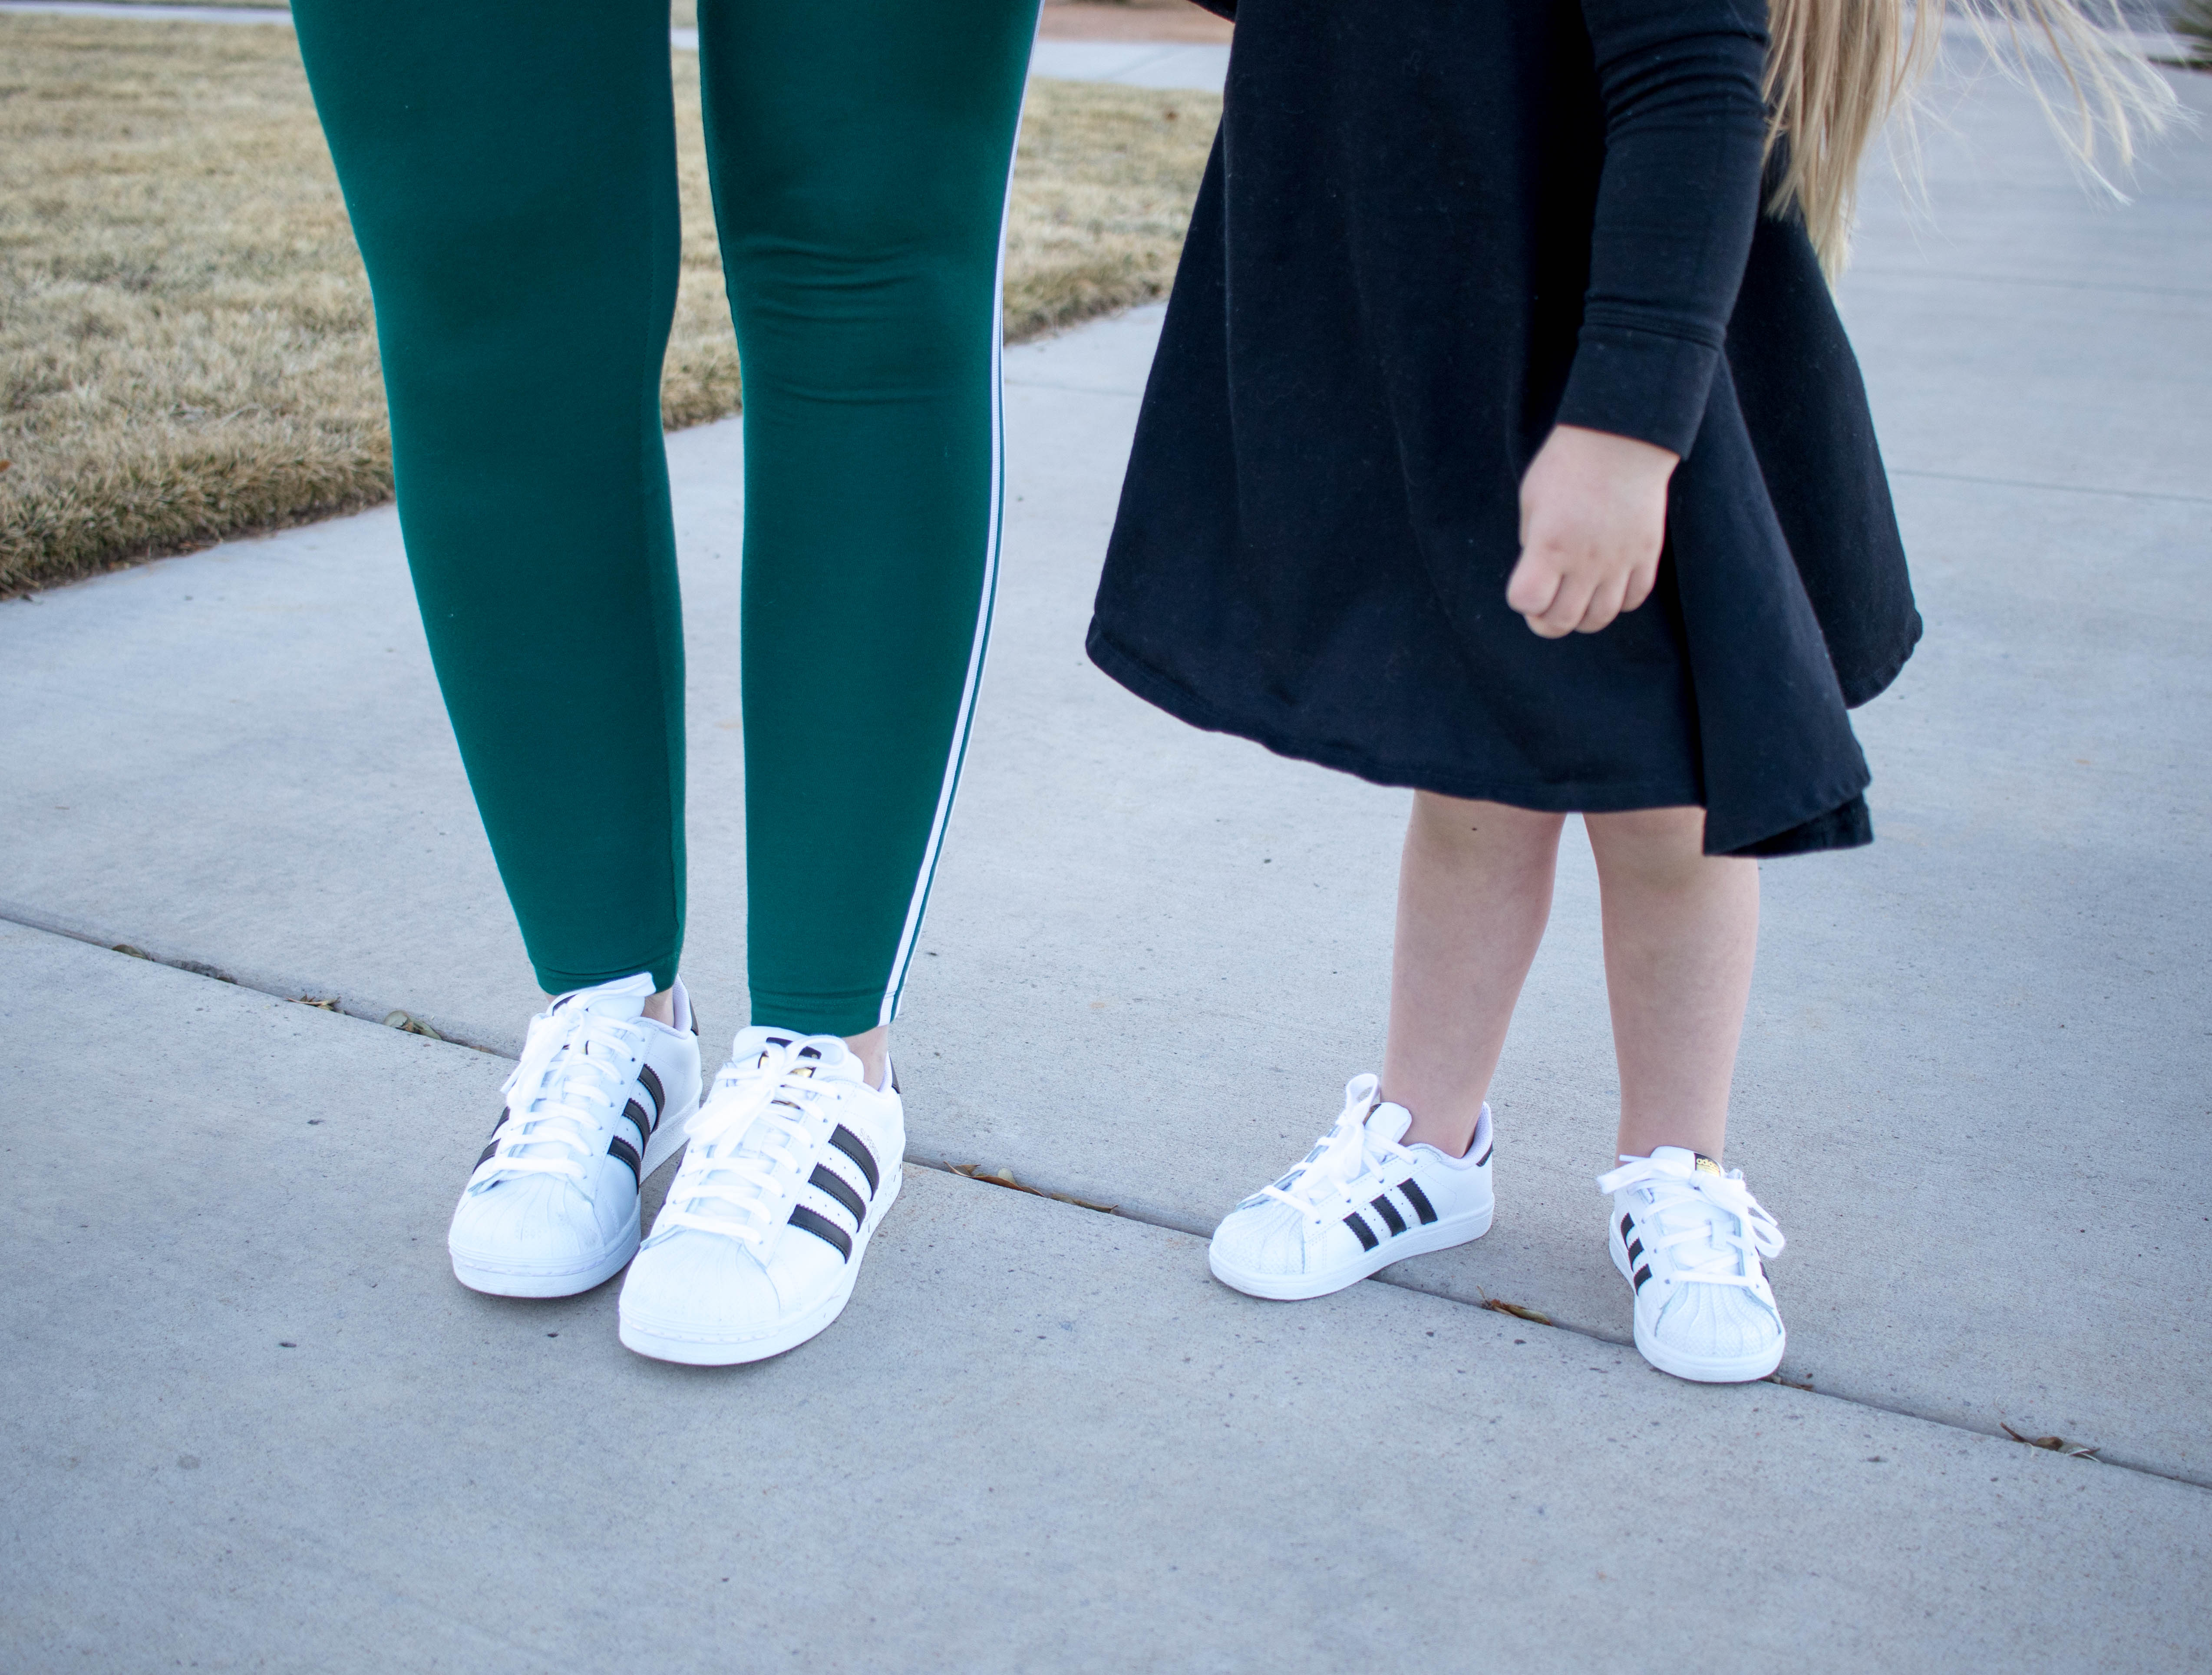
(1593,516)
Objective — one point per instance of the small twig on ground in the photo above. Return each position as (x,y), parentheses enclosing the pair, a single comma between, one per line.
(1498,1305)
(197,967)
(321,1004)
(1803,1381)
(1005,1178)
(2056,1445)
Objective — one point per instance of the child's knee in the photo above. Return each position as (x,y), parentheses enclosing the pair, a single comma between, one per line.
(1656,845)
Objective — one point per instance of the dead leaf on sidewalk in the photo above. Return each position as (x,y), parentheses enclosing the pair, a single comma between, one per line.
(1005,1178)
(1804,1381)
(1500,1306)
(2056,1445)
(411,1023)
(320,1005)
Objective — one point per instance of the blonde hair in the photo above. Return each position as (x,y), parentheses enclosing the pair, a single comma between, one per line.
(1836,69)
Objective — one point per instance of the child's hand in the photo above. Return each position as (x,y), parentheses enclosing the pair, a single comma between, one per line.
(1593,515)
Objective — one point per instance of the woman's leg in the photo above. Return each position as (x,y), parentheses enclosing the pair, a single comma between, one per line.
(1474,888)
(861,156)
(1681,930)
(510,171)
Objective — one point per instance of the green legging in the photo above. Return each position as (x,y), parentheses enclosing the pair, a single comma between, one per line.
(510,169)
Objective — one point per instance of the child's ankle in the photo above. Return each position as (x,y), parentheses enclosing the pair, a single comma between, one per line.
(1452,1134)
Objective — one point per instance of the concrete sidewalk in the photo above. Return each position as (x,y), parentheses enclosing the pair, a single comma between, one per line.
(1133,64)
(1972,1091)
(253,1422)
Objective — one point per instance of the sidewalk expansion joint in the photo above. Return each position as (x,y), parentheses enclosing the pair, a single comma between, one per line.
(17,914)
(1996,1431)
(2052,488)
(317,998)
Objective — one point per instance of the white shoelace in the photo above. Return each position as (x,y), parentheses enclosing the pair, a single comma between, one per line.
(753,1147)
(562,1097)
(1347,1154)
(1690,1207)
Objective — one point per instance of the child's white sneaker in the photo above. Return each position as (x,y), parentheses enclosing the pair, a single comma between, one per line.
(598,1103)
(793,1160)
(1357,1202)
(1688,1239)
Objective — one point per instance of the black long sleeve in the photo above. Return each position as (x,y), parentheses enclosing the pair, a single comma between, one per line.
(1678,198)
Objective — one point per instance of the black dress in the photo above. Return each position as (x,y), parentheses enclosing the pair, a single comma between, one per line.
(1428,230)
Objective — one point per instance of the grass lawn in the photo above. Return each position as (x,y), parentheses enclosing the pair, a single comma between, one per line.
(1132,20)
(2193,22)
(186,346)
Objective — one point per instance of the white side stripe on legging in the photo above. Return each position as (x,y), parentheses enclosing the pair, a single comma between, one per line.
(966,718)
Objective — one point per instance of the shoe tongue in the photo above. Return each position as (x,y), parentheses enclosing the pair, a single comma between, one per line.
(1696,1163)
(828,1057)
(624,999)
(1389,1123)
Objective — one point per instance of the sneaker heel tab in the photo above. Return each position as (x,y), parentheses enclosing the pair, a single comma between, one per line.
(1480,1143)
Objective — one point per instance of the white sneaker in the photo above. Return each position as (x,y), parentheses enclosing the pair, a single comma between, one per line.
(598,1103)
(1688,1240)
(1357,1202)
(794,1161)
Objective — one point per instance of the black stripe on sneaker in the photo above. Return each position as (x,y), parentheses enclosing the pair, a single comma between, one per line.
(849,1143)
(1640,1275)
(822,1181)
(1635,1249)
(1484,1158)
(622,1148)
(650,1083)
(1419,1200)
(1367,1238)
(486,1156)
(638,1120)
(1625,1219)
(1388,1212)
(823,1228)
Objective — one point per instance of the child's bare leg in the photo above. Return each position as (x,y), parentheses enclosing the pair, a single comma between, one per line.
(1474,888)
(1682,929)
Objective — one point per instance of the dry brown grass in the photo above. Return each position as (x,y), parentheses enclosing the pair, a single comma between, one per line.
(1150,19)
(186,346)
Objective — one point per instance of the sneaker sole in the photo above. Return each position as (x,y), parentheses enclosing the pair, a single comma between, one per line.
(496,1279)
(1302,1287)
(1696,1369)
(689,1350)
